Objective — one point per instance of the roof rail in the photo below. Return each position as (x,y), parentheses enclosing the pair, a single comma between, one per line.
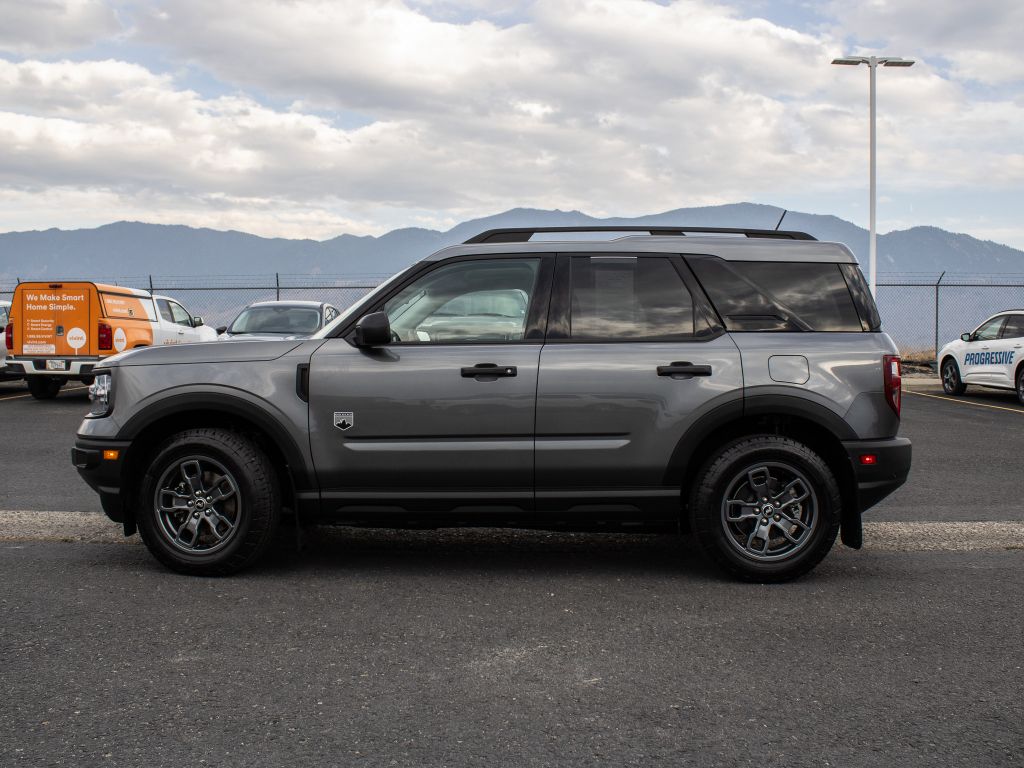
(523,234)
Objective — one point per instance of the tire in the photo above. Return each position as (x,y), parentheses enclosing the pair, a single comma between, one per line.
(799,532)
(952,384)
(181,520)
(1020,385)
(44,387)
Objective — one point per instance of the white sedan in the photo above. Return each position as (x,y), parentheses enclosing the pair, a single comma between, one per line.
(990,356)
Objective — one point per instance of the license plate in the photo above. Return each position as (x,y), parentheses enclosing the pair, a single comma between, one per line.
(56,365)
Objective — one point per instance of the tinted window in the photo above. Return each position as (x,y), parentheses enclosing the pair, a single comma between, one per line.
(866,307)
(165,310)
(3,315)
(467,301)
(778,296)
(990,329)
(1014,328)
(626,297)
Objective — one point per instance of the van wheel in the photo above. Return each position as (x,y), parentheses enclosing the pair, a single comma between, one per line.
(1020,385)
(209,504)
(44,387)
(766,508)
(952,384)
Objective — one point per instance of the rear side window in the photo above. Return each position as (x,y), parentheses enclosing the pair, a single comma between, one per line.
(1014,328)
(779,296)
(629,298)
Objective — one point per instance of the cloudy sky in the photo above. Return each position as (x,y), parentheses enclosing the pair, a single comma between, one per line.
(309,118)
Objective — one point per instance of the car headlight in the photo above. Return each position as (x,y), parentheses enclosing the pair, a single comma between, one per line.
(99,393)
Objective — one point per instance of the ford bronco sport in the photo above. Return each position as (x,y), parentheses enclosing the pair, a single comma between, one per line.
(732,383)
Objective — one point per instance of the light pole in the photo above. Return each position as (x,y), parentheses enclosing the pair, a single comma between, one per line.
(873,62)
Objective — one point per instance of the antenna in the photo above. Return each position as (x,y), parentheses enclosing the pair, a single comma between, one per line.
(784,212)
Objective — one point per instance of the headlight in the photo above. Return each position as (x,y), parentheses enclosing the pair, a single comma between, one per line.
(99,393)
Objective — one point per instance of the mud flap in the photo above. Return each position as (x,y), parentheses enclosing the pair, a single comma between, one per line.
(851,530)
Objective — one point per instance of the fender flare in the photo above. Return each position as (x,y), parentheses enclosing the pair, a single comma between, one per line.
(235,405)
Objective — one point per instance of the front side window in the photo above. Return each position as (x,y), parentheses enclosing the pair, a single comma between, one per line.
(181,317)
(466,301)
(989,330)
(1014,328)
(329,314)
(779,296)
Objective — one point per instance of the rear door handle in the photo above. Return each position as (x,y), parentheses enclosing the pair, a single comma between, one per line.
(489,370)
(684,369)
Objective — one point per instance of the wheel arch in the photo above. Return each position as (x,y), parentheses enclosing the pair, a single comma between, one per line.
(153,425)
(820,429)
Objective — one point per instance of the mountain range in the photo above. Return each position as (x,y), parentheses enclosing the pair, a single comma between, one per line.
(133,248)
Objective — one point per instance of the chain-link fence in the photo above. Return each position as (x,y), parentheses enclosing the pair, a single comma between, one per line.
(920,311)
(923,312)
(218,299)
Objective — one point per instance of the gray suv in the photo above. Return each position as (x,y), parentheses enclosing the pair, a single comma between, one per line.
(730,383)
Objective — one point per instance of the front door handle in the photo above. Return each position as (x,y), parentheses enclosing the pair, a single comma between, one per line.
(489,371)
(684,369)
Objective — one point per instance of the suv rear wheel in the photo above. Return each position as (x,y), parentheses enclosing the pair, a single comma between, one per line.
(210,503)
(44,387)
(766,508)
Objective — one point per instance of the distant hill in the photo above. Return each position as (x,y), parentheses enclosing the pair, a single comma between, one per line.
(133,248)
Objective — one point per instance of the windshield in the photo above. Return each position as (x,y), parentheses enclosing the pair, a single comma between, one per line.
(277,319)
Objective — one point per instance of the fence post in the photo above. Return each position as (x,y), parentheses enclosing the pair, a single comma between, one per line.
(277,283)
(937,282)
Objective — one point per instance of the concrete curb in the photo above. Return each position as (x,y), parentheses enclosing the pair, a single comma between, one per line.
(95,528)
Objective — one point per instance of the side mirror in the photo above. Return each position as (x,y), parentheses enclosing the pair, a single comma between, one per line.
(373,330)
(221,329)
(197,321)
(966,337)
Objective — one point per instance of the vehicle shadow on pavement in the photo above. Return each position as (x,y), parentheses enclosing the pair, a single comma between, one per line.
(487,551)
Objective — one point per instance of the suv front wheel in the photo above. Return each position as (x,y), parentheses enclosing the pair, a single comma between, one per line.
(210,503)
(766,508)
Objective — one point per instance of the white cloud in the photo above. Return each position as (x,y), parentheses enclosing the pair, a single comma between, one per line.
(45,26)
(980,38)
(615,107)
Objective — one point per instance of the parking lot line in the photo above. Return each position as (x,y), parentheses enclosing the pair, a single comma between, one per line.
(965,402)
(17,397)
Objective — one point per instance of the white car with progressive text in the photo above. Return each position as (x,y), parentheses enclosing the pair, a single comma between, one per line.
(989,356)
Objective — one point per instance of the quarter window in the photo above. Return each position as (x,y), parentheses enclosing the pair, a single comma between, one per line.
(466,301)
(630,298)
(779,296)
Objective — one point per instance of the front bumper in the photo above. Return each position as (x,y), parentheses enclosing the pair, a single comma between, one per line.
(103,475)
(888,472)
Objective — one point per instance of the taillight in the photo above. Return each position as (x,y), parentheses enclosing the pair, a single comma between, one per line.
(892,375)
(9,336)
(105,336)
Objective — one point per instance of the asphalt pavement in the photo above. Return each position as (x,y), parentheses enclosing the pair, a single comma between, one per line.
(464,651)
(509,648)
